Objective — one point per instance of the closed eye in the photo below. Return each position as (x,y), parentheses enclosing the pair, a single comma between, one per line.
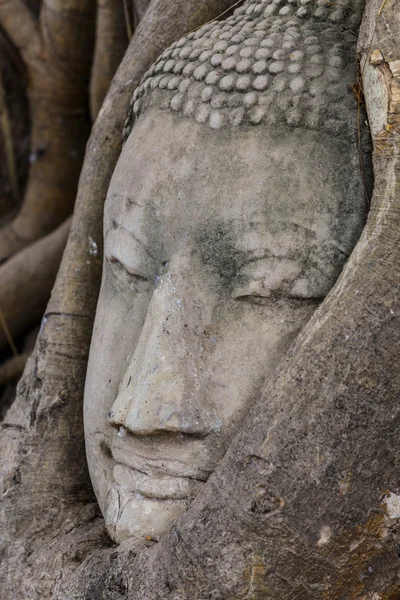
(119,266)
(287,299)
(253,299)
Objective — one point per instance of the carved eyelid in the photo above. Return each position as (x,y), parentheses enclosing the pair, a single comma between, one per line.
(131,272)
(265,275)
(283,292)
(285,278)
(124,250)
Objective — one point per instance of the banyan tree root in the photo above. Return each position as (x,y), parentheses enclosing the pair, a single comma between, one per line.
(26,281)
(57,50)
(139,8)
(111,43)
(6,133)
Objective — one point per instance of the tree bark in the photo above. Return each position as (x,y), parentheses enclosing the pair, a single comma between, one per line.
(26,281)
(43,460)
(306,504)
(111,43)
(20,25)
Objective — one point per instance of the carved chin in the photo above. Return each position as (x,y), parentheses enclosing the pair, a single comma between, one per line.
(140,518)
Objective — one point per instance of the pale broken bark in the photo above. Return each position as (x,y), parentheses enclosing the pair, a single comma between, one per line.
(57,50)
(306,502)
(43,471)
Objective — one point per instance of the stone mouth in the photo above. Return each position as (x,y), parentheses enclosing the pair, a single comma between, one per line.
(161,466)
(156,487)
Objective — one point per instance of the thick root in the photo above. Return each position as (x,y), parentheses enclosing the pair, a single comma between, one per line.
(111,43)
(56,157)
(10,242)
(57,49)
(26,282)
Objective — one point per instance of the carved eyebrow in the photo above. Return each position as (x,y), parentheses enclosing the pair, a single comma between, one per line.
(115,225)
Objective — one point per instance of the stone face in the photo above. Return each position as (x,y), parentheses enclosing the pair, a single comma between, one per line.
(217,251)
(301,41)
(233,207)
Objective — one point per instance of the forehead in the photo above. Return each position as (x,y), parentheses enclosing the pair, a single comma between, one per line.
(174,177)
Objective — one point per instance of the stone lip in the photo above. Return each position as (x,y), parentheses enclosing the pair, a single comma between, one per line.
(176,465)
(162,487)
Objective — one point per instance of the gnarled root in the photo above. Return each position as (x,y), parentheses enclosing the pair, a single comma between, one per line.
(111,43)
(26,281)
(57,50)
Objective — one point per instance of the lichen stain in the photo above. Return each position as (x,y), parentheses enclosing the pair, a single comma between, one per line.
(254,576)
(391,593)
(345,482)
(368,380)
(352,553)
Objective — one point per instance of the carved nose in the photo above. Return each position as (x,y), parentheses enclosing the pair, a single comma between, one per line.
(160,390)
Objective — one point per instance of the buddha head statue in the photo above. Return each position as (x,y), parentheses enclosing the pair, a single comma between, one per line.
(234,205)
